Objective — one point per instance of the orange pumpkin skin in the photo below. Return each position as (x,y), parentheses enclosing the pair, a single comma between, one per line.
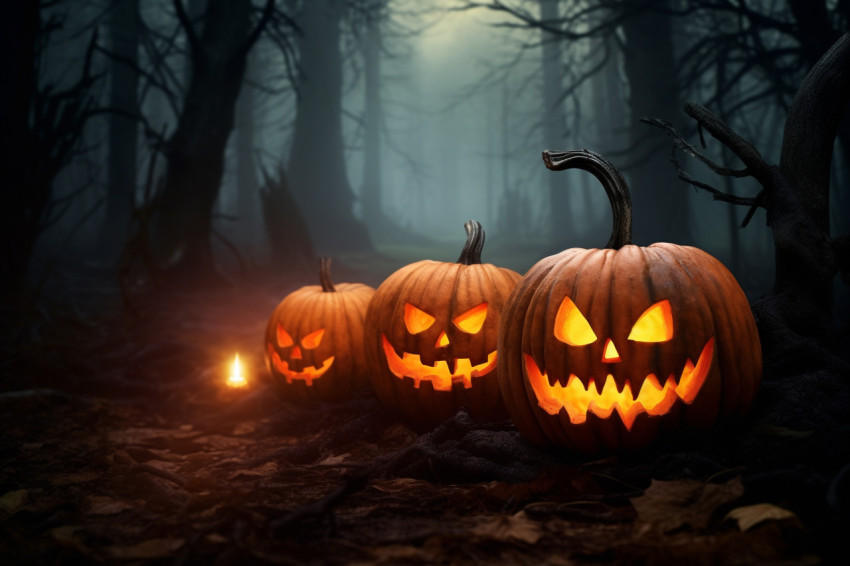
(314,341)
(427,376)
(708,323)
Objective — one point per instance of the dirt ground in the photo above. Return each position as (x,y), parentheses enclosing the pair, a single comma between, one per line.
(122,444)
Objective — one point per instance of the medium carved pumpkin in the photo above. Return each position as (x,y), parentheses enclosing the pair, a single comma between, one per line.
(431,332)
(314,340)
(604,349)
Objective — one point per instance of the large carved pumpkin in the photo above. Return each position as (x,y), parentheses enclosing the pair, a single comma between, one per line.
(431,332)
(314,340)
(605,348)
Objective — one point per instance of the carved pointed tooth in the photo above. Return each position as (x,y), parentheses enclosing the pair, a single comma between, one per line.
(686,371)
(553,379)
(650,381)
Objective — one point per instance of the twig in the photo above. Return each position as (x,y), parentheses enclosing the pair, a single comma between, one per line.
(159,472)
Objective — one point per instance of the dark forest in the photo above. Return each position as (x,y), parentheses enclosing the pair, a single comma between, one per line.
(386,281)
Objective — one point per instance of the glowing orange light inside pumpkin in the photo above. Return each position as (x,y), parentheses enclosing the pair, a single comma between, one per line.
(654,325)
(472,320)
(610,355)
(652,398)
(416,320)
(571,327)
(236,378)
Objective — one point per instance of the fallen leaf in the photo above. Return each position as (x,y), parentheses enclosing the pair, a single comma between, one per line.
(266,470)
(510,527)
(393,554)
(244,428)
(332,460)
(153,548)
(668,505)
(749,516)
(101,505)
(11,502)
(399,484)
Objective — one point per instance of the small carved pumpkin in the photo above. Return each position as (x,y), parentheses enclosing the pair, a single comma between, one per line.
(314,340)
(604,349)
(431,332)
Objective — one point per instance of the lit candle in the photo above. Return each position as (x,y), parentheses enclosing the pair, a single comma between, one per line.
(236,378)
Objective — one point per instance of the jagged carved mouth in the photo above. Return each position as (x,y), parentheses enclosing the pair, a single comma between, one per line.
(652,398)
(307,374)
(410,365)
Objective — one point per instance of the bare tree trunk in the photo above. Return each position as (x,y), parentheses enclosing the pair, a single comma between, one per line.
(292,249)
(807,258)
(247,187)
(21,206)
(317,171)
(795,318)
(40,126)
(123,129)
(195,151)
(650,67)
(816,33)
(372,115)
(554,124)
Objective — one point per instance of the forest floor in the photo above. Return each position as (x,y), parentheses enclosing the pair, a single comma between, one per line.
(121,443)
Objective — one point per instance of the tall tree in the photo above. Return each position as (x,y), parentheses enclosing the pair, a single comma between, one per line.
(40,127)
(554,120)
(247,185)
(195,150)
(372,113)
(317,171)
(649,63)
(123,127)
(795,316)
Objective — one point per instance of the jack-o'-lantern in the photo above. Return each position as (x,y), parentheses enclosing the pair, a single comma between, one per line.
(431,332)
(313,341)
(605,349)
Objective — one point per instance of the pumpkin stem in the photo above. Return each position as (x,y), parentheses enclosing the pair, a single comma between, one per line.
(613,183)
(325,275)
(471,252)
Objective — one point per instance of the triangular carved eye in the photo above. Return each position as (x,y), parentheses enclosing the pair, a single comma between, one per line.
(472,320)
(571,327)
(416,320)
(654,325)
(284,340)
(313,339)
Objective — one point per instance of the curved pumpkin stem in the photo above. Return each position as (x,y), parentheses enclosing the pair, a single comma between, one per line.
(325,275)
(613,183)
(471,252)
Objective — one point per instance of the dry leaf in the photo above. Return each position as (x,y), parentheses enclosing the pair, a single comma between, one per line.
(400,484)
(510,527)
(266,470)
(244,428)
(153,548)
(751,515)
(394,554)
(668,505)
(332,460)
(100,505)
(11,502)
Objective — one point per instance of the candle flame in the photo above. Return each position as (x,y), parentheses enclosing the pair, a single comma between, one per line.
(236,378)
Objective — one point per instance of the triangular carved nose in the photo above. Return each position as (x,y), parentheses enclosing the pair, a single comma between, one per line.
(443,340)
(610,354)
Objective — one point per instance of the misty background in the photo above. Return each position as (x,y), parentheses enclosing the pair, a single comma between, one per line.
(371,130)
